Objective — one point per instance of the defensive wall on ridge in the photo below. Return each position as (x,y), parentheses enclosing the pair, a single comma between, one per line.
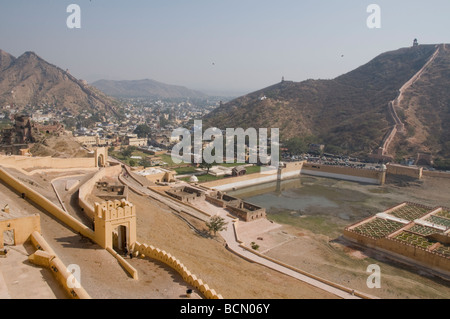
(28,228)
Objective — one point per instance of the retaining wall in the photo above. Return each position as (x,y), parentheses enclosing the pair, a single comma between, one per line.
(436,174)
(346,173)
(291,170)
(414,172)
(402,250)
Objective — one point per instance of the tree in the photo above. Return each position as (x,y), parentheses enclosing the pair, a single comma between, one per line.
(145,162)
(216,224)
(128,151)
(297,145)
(143,131)
(206,165)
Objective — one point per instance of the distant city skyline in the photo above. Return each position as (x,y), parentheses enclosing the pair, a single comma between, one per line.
(233,47)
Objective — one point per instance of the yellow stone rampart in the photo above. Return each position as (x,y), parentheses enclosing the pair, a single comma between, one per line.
(23,228)
(108,216)
(26,162)
(144,250)
(46,204)
(46,257)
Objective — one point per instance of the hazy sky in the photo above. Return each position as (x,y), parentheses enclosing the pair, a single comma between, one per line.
(217,46)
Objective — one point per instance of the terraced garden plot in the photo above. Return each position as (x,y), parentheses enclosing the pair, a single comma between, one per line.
(409,212)
(443,249)
(414,239)
(444,213)
(439,221)
(378,228)
(423,230)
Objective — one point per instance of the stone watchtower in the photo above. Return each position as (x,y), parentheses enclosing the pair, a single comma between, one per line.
(115,225)
(415,43)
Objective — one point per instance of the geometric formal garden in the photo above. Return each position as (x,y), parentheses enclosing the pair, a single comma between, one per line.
(417,228)
(409,212)
(439,221)
(424,230)
(415,240)
(378,228)
(444,213)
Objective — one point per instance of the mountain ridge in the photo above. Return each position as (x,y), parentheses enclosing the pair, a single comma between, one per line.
(29,80)
(349,113)
(145,88)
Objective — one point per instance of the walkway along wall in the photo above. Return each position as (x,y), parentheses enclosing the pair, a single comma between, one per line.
(88,187)
(46,204)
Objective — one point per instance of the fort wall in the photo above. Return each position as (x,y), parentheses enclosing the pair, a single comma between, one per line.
(88,187)
(403,251)
(26,162)
(23,228)
(46,204)
(291,170)
(346,173)
(144,251)
(46,257)
(436,174)
(411,171)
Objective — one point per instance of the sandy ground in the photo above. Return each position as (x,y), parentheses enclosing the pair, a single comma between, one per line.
(23,280)
(322,254)
(228,274)
(101,274)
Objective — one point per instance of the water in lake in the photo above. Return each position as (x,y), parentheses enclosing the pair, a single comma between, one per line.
(310,196)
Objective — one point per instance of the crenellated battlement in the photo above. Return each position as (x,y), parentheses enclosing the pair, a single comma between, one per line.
(114,210)
(115,224)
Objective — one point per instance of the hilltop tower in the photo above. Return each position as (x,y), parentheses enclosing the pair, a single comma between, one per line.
(415,43)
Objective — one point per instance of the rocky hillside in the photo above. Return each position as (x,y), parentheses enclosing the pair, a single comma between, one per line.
(350,113)
(30,81)
(146,89)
